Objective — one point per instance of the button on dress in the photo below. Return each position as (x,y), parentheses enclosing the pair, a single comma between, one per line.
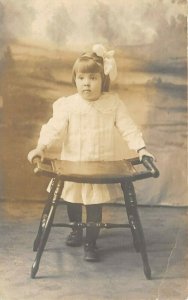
(87,130)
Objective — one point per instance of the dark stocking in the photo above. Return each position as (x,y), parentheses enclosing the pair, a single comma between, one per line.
(94,214)
(74,211)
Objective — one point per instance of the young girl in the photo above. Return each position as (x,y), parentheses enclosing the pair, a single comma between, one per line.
(86,123)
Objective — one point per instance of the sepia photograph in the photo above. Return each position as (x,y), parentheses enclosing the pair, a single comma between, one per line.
(93,150)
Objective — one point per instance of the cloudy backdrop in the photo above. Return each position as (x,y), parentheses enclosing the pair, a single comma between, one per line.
(38,44)
(115,22)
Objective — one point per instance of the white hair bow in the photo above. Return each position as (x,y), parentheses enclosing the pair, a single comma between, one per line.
(110,67)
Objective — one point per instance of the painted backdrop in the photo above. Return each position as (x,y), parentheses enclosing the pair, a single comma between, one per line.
(39,41)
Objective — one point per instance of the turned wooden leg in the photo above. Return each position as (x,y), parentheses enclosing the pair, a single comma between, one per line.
(44,215)
(135,224)
(46,223)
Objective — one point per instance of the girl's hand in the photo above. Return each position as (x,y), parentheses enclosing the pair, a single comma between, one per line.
(39,151)
(144,152)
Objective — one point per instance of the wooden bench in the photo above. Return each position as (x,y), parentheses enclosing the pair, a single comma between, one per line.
(124,172)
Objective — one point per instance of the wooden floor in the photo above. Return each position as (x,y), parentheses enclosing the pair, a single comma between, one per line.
(63,274)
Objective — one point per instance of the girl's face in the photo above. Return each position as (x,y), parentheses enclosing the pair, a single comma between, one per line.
(89,85)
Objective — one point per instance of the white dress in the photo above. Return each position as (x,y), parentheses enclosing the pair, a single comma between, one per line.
(87,130)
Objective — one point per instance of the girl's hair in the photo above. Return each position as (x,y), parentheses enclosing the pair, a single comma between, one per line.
(89,62)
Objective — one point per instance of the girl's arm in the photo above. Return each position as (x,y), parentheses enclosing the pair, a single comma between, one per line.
(130,132)
(54,128)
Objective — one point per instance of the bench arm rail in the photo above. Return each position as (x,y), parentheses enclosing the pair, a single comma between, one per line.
(147,162)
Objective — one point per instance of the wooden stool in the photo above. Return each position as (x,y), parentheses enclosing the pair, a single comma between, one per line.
(123,172)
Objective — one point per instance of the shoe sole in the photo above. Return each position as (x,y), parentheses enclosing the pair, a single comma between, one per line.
(74,245)
(91,260)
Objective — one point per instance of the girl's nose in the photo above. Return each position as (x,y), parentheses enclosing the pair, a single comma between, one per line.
(86,81)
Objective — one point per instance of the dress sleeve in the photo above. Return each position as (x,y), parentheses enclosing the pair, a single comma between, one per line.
(127,128)
(57,125)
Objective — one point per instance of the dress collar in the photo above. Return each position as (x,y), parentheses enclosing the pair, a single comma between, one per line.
(106,103)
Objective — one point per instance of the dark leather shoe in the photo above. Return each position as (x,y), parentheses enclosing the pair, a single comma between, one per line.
(90,252)
(74,239)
